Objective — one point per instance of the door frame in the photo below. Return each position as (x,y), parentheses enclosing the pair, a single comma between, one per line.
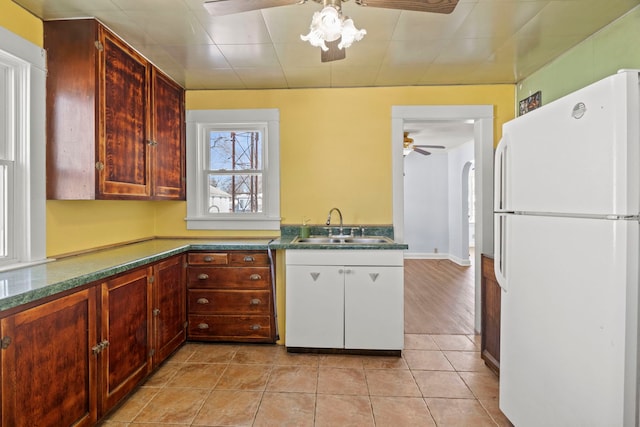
(482,117)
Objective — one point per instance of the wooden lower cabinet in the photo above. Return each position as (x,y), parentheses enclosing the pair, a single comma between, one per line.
(229,297)
(490,316)
(169,307)
(48,368)
(69,361)
(126,331)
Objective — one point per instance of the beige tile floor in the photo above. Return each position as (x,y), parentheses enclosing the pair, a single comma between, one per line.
(440,380)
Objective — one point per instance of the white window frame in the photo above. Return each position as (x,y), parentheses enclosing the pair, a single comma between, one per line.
(23,113)
(198,122)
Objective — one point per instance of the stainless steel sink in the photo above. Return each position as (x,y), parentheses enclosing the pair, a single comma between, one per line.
(326,240)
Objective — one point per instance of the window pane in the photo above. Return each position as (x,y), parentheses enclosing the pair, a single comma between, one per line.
(235,193)
(235,150)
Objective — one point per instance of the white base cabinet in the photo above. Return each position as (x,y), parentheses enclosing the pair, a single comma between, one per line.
(345,299)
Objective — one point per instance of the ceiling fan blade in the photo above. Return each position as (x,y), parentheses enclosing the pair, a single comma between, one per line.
(429,146)
(227,7)
(334,53)
(424,152)
(434,6)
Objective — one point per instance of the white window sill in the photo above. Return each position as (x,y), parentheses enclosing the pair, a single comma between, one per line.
(17,265)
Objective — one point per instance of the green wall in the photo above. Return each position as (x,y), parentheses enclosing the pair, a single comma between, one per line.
(615,47)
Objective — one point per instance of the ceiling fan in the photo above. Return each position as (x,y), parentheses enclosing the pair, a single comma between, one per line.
(409,146)
(329,29)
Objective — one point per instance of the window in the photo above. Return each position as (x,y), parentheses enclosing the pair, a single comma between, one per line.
(233,169)
(22,152)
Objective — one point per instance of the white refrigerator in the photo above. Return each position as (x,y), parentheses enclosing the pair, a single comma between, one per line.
(567,205)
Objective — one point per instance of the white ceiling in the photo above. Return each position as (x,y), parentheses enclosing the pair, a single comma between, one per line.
(482,41)
(450,133)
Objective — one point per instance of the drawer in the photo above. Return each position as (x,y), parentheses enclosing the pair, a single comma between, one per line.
(230,328)
(229,302)
(208,258)
(248,258)
(229,277)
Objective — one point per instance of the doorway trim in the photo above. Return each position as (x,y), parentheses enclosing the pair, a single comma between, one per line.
(482,116)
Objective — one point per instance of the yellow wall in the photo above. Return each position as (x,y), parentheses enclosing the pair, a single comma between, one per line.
(335,145)
(335,151)
(17,20)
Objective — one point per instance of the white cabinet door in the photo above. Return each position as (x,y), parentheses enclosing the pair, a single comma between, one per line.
(315,306)
(374,308)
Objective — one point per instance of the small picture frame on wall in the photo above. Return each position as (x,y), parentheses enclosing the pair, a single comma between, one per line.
(530,103)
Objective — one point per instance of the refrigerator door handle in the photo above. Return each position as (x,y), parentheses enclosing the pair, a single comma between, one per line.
(500,176)
(500,238)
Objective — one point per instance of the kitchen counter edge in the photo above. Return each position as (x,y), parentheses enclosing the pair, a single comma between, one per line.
(29,284)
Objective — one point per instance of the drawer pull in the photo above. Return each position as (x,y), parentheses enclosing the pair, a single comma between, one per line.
(255,301)
(202,301)
(203,276)
(203,326)
(255,277)
(249,258)
(208,258)
(255,327)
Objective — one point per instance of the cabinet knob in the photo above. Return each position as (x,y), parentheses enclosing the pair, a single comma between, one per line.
(255,327)
(203,276)
(255,301)
(208,258)
(203,326)
(202,301)
(255,277)
(152,143)
(249,258)
(156,311)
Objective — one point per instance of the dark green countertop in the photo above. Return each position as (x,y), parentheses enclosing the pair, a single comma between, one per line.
(28,284)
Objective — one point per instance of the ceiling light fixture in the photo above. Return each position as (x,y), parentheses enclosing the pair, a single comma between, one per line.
(329,25)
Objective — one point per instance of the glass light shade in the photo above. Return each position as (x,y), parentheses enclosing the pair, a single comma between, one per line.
(350,33)
(328,26)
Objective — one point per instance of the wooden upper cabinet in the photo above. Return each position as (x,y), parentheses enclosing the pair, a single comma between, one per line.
(167,137)
(115,127)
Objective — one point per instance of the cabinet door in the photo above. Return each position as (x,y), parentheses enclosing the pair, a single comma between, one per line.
(167,136)
(374,308)
(315,306)
(126,326)
(123,151)
(169,312)
(48,369)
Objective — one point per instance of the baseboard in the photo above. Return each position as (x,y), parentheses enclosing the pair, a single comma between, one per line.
(431,255)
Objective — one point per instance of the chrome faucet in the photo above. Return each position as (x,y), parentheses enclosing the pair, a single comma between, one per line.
(329,219)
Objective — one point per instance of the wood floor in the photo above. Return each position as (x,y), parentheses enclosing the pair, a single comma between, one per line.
(439,297)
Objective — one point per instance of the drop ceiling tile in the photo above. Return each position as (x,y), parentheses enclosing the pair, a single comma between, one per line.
(446,74)
(413,52)
(171,28)
(498,18)
(53,9)
(379,23)
(241,28)
(429,26)
(365,53)
(308,77)
(297,54)
(400,76)
(262,77)
(353,76)
(224,78)
(200,56)
(287,23)
(250,55)
(471,51)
